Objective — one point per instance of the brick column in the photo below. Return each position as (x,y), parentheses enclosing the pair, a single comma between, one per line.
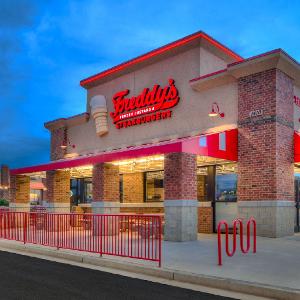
(58,138)
(19,193)
(58,191)
(265,159)
(106,192)
(181,205)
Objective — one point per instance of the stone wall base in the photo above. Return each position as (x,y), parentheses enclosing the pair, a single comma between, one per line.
(181,220)
(105,207)
(274,218)
(108,225)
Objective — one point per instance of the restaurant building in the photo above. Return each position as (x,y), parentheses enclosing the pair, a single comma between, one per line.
(191,131)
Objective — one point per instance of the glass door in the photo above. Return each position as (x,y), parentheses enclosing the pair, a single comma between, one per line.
(297,203)
(225,206)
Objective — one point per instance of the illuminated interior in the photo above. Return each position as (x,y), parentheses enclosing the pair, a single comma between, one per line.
(151,169)
(297,169)
(149,163)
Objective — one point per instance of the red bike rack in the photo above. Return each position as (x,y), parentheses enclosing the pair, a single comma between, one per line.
(236,223)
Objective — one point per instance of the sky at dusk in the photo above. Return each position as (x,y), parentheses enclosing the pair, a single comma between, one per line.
(47,47)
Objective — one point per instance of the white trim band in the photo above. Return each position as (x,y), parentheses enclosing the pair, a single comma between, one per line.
(19,205)
(266,203)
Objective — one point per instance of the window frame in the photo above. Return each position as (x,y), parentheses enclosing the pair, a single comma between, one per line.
(145,186)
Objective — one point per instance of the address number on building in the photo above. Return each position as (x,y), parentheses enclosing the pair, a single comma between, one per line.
(256,113)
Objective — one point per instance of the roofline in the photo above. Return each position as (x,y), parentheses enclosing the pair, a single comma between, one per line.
(65,121)
(238,63)
(274,51)
(200,34)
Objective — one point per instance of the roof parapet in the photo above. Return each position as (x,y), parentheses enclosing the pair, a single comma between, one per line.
(273,59)
(120,69)
(67,122)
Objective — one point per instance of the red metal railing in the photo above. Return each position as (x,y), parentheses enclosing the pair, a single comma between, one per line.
(134,236)
(236,223)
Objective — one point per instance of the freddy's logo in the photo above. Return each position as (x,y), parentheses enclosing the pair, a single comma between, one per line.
(136,110)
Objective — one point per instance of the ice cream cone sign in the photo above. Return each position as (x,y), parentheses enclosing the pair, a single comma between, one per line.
(99,113)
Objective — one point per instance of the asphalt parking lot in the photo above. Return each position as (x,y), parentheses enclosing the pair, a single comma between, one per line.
(24,277)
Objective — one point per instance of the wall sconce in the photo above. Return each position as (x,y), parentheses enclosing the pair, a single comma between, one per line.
(215,111)
(66,144)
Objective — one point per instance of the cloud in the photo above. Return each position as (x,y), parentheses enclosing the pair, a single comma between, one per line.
(16,13)
(47,47)
(21,150)
(15,16)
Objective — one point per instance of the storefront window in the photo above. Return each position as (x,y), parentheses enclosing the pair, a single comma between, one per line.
(36,197)
(226,182)
(202,184)
(81,190)
(154,184)
(88,190)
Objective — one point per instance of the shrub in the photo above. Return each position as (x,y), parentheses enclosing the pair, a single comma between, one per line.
(4,202)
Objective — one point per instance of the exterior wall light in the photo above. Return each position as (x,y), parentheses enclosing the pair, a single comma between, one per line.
(65,145)
(215,111)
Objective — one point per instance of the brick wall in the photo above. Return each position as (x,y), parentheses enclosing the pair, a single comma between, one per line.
(180,179)
(205,219)
(12,188)
(106,182)
(5,194)
(133,187)
(4,175)
(265,169)
(49,186)
(58,186)
(58,138)
(20,189)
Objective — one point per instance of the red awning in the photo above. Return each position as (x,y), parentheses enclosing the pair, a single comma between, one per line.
(218,145)
(36,185)
(296,147)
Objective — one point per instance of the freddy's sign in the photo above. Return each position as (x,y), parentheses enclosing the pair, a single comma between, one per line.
(297,100)
(150,105)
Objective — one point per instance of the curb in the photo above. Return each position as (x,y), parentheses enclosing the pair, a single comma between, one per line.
(256,289)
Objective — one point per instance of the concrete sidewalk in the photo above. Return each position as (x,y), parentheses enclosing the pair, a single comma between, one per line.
(274,271)
(277,261)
